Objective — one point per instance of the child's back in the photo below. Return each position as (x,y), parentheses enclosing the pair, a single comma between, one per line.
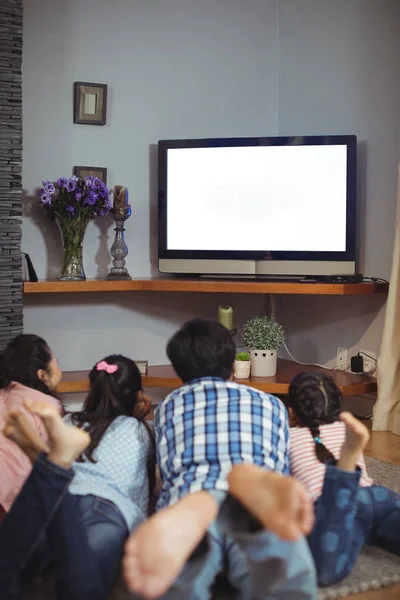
(304,464)
(119,462)
(210,423)
(120,471)
(316,434)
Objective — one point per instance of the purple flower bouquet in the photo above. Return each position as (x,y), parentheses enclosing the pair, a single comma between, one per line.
(73,203)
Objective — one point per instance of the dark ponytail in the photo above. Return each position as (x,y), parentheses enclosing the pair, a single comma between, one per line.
(323,454)
(111,395)
(21,360)
(315,400)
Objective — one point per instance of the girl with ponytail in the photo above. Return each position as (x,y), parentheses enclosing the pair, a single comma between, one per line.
(314,400)
(316,433)
(115,476)
(326,455)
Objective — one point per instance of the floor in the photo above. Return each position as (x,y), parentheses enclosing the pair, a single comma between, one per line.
(384,446)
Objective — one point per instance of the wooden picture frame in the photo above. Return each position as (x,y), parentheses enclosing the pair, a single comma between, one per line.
(100,172)
(90,103)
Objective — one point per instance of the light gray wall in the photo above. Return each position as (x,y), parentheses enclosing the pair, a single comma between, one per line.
(174,69)
(339,72)
(181,69)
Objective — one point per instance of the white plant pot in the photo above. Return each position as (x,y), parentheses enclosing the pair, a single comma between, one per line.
(242,369)
(263,363)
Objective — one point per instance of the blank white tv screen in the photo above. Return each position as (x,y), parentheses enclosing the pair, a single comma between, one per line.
(257,198)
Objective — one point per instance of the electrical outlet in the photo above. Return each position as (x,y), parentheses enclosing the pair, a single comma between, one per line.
(341,358)
(369,358)
(369,366)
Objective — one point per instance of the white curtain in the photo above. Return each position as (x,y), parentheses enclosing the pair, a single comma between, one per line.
(387,408)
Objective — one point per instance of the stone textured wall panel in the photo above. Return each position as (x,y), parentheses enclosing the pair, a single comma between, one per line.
(11,307)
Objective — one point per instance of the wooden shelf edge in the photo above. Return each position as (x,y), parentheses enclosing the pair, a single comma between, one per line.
(169,284)
(163,377)
(75,287)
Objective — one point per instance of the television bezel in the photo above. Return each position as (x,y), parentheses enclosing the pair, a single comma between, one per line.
(347,256)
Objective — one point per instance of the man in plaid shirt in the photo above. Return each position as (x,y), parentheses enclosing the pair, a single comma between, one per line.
(207,430)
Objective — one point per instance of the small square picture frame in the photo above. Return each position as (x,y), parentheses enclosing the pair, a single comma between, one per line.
(100,172)
(90,103)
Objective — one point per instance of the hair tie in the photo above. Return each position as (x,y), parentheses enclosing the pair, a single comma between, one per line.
(317,440)
(104,366)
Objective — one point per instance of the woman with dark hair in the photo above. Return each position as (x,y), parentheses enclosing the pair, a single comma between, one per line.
(85,509)
(28,371)
(326,455)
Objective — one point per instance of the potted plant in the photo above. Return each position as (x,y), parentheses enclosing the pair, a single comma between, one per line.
(242,365)
(262,336)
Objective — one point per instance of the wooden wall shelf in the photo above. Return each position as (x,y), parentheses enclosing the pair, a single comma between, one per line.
(164,284)
(165,377)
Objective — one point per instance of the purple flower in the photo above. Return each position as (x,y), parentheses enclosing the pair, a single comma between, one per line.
(49,188)
(91,198)
(97,183)
(70,185)
(75,198)
(45,198)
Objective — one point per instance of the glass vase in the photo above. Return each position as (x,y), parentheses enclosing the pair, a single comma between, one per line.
(72,232)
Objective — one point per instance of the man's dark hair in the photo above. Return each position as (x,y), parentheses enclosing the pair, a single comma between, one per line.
(202,348)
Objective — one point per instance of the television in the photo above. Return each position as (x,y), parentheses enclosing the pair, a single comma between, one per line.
(267,206)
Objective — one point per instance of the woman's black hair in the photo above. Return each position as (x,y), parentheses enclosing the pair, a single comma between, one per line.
(21,360)
(111,395)
(316,400)
(202,348)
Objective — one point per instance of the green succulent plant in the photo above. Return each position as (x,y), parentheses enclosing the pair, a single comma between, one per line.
(263,333)
(242,356)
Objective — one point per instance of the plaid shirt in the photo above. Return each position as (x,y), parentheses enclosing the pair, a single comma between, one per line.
(207,426)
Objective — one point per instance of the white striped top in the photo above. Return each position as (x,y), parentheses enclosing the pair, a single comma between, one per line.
(304,464)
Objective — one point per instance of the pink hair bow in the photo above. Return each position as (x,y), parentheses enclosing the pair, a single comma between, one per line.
(104,366)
